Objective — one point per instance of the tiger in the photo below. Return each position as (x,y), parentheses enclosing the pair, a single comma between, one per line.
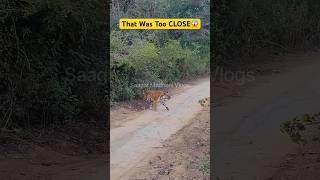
(204,101)
(155,96)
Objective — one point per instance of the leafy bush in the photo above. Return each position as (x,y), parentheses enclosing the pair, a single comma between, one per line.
(297,128)
(40,42)
(243,28)
(139,57)
(144,62)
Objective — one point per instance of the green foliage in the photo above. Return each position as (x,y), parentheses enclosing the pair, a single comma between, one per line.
(204,165)
(296,128)
(139,57)
(40,40)
(144,62)
(243,28)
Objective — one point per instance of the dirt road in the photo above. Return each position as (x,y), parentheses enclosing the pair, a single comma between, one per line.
(184,156)
(133,141)
(248,144)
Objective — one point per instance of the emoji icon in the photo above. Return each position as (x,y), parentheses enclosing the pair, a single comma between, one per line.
(194,23)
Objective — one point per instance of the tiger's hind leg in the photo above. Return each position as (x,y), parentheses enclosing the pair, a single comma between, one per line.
(150,105)
(147,103)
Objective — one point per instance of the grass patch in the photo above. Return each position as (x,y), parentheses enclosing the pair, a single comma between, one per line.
(204,164)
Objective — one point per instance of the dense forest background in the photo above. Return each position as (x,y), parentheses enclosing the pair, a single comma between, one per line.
(244,28)
(51,52)
(53,67)
(163,56)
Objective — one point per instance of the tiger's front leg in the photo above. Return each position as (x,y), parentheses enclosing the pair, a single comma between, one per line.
(154,105)
(162,101)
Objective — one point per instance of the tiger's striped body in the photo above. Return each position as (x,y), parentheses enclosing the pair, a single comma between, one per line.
(155,96)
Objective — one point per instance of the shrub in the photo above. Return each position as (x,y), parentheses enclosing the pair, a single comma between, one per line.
(144,62)
(243,28)
(300,129)
(40,41)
